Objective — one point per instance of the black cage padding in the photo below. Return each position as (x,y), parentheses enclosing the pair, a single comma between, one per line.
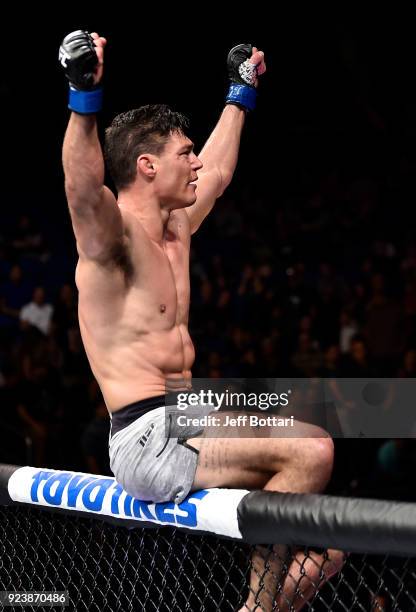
(360,525)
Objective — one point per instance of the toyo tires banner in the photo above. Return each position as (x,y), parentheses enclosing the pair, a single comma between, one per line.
(208,510)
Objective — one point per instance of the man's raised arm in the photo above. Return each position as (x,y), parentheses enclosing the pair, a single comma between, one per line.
(96,218)
(220,153)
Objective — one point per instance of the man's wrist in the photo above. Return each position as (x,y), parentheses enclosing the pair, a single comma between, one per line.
(85,102)
(242,95)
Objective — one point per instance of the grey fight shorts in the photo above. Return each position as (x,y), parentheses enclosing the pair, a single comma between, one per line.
(149,463)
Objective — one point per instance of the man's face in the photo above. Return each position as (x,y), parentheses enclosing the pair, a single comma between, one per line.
(358,351)
(39,296)
(177,168)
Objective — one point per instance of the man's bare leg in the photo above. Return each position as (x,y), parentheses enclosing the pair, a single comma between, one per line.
(284,464)
(306,575)
(268,567)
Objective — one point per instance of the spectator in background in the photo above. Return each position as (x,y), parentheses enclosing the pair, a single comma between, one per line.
(14,293)
(37,313)
(40,394)
(65,314)
(357,363)
(75,371)
(331,362)
(12,449)
(384,327)
(308,357)
(94,439)
(408,367)
(27,239)
(328,301)
(347,330)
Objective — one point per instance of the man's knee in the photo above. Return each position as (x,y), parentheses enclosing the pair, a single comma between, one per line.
(316,457)
(323,452)
(323,460)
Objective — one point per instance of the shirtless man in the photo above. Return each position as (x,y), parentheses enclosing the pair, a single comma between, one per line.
(133,282)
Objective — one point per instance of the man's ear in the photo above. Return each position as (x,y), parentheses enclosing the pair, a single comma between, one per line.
(146,165)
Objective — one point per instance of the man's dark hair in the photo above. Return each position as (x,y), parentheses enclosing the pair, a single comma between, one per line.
(142,130)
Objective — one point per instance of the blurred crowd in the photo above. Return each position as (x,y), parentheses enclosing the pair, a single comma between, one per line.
(319,284)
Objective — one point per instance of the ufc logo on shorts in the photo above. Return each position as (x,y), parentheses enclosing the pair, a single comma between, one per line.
(63,56)
(146,435)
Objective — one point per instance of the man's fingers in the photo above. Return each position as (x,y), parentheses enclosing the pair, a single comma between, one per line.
(256,56)
(261,68)
(99,42)
(257,59)
(100,54)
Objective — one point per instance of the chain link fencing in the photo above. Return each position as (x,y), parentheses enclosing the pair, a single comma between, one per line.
(107,567)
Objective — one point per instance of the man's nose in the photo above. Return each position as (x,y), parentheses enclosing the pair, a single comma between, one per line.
(197,163)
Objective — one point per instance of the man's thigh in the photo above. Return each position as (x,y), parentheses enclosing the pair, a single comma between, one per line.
(243,456)
(218,464)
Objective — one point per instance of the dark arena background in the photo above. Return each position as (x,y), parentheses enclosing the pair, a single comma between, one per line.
(305,268)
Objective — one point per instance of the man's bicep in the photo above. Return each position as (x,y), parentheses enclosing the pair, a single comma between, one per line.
(208,189)
(97,224)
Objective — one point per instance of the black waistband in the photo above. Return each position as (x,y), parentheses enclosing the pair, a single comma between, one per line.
(123,417)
